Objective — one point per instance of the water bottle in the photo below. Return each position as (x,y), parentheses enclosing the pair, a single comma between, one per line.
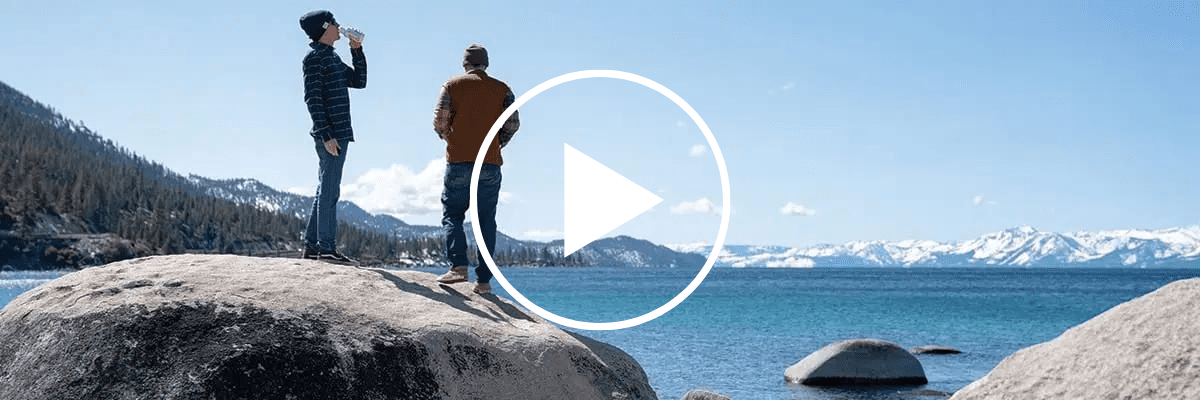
(352,34)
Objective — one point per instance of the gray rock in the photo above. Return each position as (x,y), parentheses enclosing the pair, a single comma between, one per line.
(924,394)
(858,362)
(1146,348)
(934,349)
(704,395)
(228,327)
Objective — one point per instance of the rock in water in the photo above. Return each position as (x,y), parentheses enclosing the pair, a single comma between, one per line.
(704,395)
(228,327)
(935,349)
(858,362)
(1146,348)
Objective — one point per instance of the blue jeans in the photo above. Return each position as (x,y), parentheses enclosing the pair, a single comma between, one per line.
(321,232)
(456,194)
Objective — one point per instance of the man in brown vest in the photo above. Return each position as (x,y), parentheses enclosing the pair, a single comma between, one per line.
(467,107)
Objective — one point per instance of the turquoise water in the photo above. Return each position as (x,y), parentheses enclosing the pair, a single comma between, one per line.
(13,283)
(743,327)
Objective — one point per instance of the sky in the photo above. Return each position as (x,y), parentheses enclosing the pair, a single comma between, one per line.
(838,120)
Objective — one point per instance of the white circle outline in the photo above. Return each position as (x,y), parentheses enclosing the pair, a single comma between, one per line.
(712,255)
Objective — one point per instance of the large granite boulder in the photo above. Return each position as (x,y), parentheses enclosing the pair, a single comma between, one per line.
(858,362)
(1146,348)
(228,327)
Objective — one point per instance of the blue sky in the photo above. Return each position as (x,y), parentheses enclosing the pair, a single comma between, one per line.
(838,120)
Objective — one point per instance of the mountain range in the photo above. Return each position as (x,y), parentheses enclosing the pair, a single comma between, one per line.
(620,250)
(258,194)
(1017,247)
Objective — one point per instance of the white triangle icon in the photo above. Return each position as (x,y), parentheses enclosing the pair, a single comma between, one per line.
(597,200)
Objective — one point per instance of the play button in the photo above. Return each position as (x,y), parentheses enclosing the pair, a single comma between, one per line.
(597,200)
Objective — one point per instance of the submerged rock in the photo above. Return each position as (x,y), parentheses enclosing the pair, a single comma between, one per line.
(704,395)
(228,327)
(934,349)
(925,394)
(1146,348)
(858,362)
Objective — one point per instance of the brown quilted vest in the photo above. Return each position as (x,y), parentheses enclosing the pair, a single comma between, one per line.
(476,101)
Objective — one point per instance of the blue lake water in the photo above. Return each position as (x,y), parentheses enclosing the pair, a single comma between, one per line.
(743,327)
(739,331)
(13,283)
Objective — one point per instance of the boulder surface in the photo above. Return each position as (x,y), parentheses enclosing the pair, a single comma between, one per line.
(1146,348)
(229,327)
(858,362)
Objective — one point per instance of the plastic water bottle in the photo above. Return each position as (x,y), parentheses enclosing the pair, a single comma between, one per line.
(352,34)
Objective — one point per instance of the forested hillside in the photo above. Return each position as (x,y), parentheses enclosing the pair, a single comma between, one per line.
(70,198)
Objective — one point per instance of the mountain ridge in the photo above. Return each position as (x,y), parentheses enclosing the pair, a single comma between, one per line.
(1022,246)
(619,250)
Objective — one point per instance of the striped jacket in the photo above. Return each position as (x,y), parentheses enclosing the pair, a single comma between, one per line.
(326,90)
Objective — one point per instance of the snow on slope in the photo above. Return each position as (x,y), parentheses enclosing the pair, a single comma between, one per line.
(1018,247)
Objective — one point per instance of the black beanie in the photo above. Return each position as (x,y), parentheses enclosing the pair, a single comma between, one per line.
(475,54)
(313,23)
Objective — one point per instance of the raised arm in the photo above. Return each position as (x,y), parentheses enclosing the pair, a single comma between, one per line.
(357,77)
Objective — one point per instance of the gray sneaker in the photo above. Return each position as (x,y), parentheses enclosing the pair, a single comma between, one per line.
(483,288)
(455,275)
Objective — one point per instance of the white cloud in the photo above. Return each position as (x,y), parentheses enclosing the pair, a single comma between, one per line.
(697,150)
(797,209)
(680,124)
(979,200)
(398,190)
(702,205)
(401,192)
(781,89)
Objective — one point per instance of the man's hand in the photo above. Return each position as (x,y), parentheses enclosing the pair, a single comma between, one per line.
(332,147)
(355,44)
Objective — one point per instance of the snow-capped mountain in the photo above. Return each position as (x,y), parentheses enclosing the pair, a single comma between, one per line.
(745,256)
(250,191)
(1017,247)
(621,250)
